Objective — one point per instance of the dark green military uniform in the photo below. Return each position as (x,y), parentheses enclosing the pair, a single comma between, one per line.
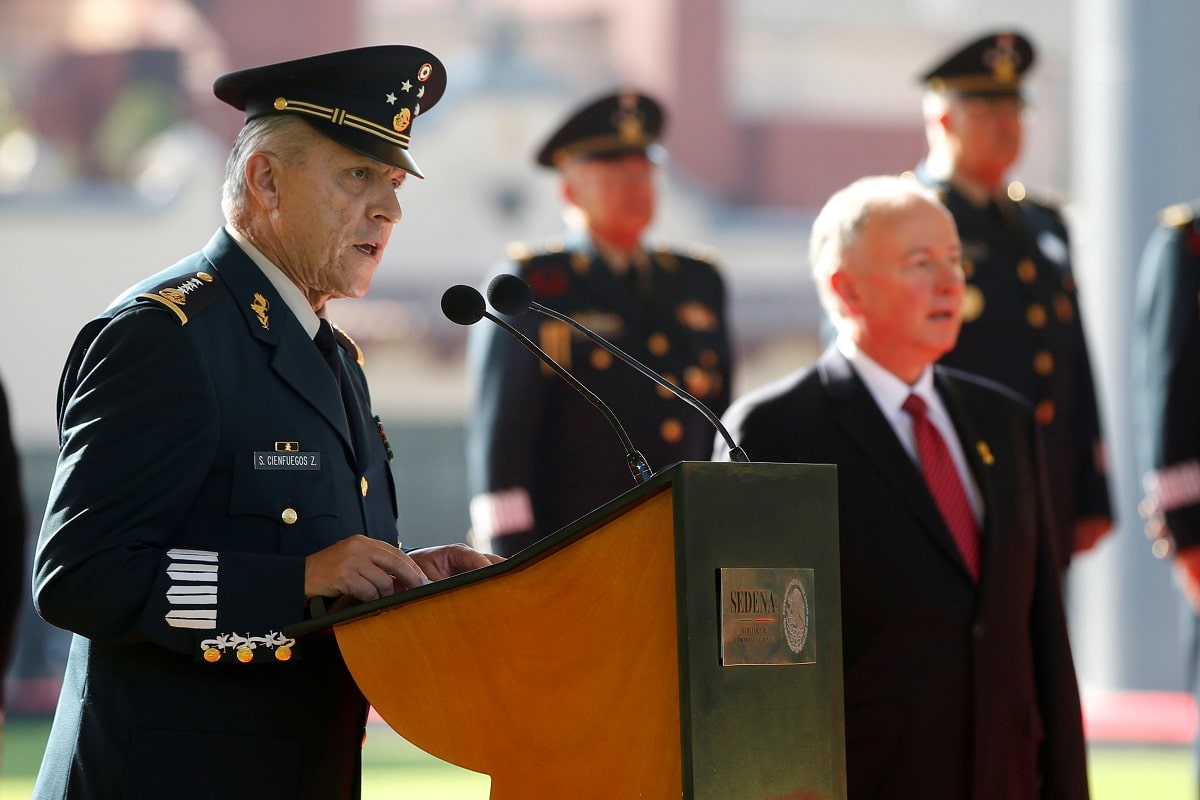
(206,451)
(1022,328)
(539,455)
(1166,376)
(1021,321)
(531,432)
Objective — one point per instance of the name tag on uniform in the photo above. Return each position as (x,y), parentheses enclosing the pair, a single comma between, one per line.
(273,459)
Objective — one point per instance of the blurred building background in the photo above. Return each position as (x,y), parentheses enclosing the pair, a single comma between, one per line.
(112,147)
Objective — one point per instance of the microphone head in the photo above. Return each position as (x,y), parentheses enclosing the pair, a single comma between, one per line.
(463,305)
(509,295)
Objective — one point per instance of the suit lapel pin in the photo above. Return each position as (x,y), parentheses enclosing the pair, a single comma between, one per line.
(985,452)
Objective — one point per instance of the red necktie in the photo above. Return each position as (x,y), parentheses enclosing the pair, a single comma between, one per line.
(945,484)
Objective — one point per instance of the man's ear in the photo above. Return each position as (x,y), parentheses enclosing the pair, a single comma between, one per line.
(843,287)
(262,179)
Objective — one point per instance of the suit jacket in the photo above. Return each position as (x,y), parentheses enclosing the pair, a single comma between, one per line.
(1022,328)
(952,689)
(529,429)
(205,452)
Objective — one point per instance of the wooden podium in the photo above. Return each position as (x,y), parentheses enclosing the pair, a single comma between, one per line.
(597,662)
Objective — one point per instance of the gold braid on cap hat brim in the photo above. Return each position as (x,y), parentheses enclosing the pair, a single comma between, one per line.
(974,83)
(340,117)
(601,144)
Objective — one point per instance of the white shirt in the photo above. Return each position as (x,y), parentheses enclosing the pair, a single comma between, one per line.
(293,298)
(889,393)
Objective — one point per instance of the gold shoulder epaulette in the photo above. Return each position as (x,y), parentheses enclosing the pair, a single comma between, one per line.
(186,295)
(1178,215)
(692,251)
(347,343)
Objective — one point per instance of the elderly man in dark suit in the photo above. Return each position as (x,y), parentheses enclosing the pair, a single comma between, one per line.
(220,467)
(959,680)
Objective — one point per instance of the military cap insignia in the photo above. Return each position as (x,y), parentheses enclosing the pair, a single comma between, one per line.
(259,305)
(186,295)
(985,452)
(1003,59)
(401,121)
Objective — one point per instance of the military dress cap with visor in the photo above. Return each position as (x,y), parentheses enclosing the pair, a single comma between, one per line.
(607,127)
(367,99)
(991,66)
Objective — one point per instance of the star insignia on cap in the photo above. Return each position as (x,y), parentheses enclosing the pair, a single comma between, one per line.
(391,99)
(421,92)
(406,86)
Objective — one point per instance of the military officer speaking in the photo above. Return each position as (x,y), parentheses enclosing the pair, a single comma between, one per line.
(1021,319)
(220,468)
(539,456)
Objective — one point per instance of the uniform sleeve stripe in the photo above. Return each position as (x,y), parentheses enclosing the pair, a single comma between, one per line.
(209,588)
(176,575)
(498,513)
(193,555)
(197,624)
(192,613)
(185,567)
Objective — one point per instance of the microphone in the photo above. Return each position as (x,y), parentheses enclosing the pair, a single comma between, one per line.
(464,305)
(510,295)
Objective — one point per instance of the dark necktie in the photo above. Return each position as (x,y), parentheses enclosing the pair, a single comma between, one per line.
(327,344)
(945,484)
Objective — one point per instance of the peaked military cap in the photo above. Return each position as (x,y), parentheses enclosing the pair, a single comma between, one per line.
(609,126)
(994,64)
(366,99)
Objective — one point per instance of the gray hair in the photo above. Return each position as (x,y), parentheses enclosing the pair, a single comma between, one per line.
(839,225)
(274,133)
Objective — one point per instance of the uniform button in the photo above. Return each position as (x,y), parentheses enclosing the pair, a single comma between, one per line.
(245,655)
(978,631)
(671,430)
(289,516)
(1035,315)
(659,344)
(709,358)
(362,486)
(1026,270)
(972,303)
(601,359)
(283,653)
(1043,363)
(212,655)
(1064,309)
(1044,412)
(698,381)
(1161,548)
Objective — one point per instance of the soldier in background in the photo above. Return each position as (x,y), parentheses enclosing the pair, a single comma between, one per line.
(1021,319)
(539,456)
(1166,370)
